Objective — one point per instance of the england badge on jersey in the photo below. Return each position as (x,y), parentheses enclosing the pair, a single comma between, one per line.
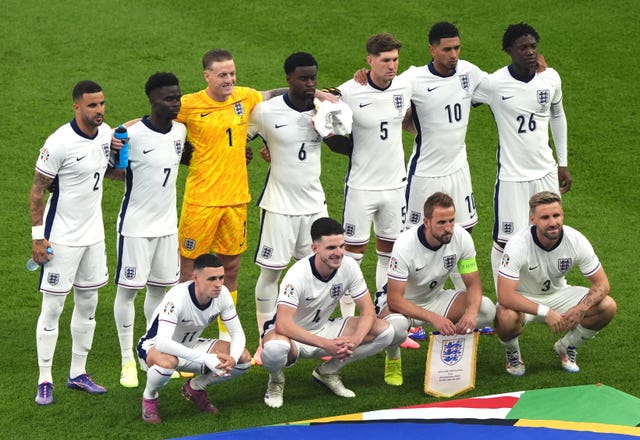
(449,261)
(267,252)
(507,227)
(543,96)
(106,150)
(336,291)
(238,108)
(349,229)
(464,82)
(564,264)
(398,102)
(189,244)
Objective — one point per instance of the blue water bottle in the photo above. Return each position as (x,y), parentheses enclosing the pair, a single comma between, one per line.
(122,157)
(31,263)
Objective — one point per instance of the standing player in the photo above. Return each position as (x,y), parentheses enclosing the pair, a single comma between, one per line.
(421,262)
(524,104)
(440,105)
(532,285)
(214,209)
(309,293)
(293,196)
(375,182)
(173,343)
(72,162)
(147,223)
(441,95)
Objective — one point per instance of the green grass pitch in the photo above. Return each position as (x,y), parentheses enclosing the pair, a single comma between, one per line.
(47,47)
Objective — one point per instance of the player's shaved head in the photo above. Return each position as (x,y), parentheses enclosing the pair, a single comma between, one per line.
(515,31)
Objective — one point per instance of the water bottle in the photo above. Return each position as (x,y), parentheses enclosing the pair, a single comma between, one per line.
(122,157)
(31,263)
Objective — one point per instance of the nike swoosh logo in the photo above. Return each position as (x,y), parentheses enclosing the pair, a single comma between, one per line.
(49,329)
(364,104)
(534,267)
(78,159)
(127,325)
(186,320)
(431,89)
(91,318)
(280,126)
(202,115)
(147,151)
(309,299)
(419,268)
(504,98)
(472,215)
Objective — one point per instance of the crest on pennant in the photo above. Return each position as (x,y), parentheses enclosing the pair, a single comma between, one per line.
(543,96)
(449,261)
(464,82)
(178,146)
(129,272)
(452,351)
(238,108)
(398,102)
(564,264)
(336,291)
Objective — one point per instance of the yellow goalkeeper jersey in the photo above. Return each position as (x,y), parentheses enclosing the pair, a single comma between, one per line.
(218,132)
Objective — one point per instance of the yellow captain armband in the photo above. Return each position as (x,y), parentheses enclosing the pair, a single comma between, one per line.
(467,266)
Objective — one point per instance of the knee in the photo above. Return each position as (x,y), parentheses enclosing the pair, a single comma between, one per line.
(400,325)
(508,320)
(487,312)
(274,353)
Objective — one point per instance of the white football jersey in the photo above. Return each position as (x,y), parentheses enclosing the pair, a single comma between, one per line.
(315,298)
(293,183)
(540,271)
(522,111)
(149,204)
(441,107)
(180,314)
(77,163)
(423,268)
(377,159)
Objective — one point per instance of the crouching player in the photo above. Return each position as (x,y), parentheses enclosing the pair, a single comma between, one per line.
(173,342)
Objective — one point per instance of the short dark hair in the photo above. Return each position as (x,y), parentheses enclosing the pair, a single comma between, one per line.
(160,79)
(441,30)
(85,86)
(437,199)
(515,31)
(543,198)
(325,226)
(206,260)
(298,59)
(383,42)
(215,55)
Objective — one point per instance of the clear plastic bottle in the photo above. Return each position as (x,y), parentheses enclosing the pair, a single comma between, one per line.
(31,263)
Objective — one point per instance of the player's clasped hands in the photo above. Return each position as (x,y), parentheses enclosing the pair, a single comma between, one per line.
(555,321)
(341,348)
(220,363)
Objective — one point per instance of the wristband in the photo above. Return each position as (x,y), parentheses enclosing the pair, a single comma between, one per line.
(543,311)
(37,232)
